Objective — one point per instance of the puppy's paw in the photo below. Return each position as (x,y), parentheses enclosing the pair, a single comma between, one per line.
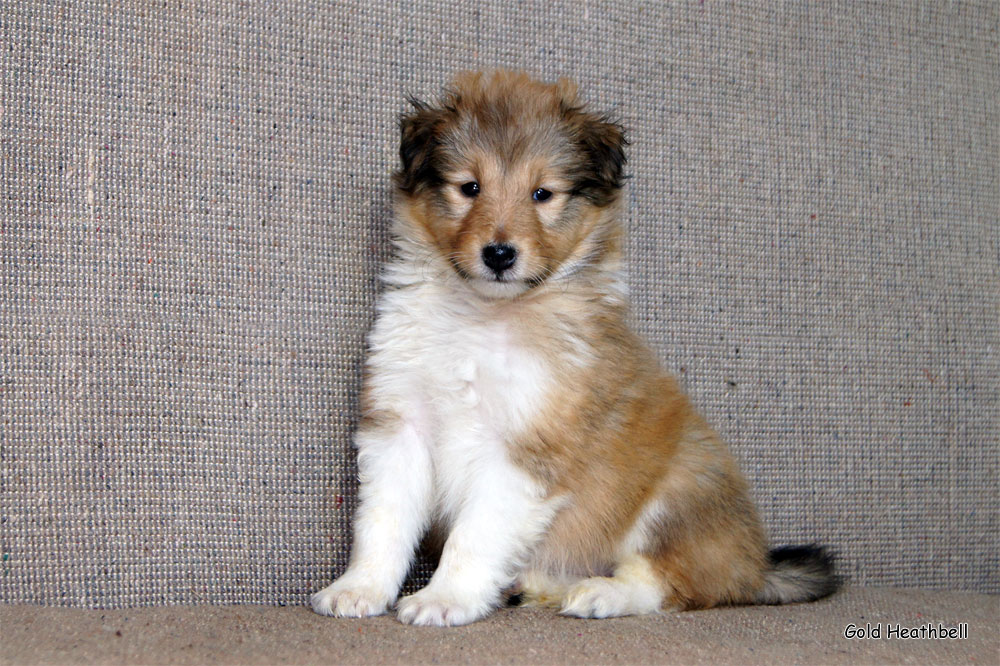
(611,597)
(595,597)
(432,608)
(350,598)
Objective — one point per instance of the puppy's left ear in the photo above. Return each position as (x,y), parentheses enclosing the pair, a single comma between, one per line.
(417,147)
(602,143)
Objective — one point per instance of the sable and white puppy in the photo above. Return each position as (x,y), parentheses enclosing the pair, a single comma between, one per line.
(507,403)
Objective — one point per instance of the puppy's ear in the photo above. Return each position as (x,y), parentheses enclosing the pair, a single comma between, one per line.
(420,138)
(602,145)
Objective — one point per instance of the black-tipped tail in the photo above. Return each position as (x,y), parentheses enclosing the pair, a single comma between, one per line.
(799,573)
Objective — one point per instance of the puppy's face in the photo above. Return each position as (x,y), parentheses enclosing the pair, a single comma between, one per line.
(510,180)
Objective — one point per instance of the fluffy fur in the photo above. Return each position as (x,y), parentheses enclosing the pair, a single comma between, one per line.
(507,403)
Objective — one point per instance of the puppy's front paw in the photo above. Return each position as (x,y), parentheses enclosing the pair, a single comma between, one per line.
(346,598)
(439,609)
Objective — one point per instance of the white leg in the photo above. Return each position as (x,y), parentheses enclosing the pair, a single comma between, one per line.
(501,517)
(395,504)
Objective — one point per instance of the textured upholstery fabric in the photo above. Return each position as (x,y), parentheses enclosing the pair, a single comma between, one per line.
(768,635)
(193,208)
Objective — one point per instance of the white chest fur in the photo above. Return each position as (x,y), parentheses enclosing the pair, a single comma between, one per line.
(458,365)
(460,378)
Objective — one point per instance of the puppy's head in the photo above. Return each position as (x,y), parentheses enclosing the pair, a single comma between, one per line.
(511,181)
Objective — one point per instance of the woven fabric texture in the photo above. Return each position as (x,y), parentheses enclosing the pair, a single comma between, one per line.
(193,210)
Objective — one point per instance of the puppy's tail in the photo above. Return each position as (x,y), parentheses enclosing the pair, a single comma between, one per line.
(798,573)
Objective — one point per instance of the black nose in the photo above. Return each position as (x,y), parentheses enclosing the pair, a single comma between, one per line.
(498,257)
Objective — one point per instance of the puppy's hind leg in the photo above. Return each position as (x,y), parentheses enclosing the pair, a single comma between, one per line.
(635,588)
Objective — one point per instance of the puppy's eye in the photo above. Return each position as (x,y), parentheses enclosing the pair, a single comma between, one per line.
(541,194)
(470,189)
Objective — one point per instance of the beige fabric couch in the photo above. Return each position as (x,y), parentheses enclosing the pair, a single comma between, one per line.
(193,208)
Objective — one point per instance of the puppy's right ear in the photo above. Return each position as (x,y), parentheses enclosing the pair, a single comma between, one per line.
(420,131)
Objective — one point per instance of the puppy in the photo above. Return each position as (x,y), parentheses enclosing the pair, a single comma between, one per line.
(507,403)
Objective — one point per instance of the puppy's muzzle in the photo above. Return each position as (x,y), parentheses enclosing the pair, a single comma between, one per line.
(499,257)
